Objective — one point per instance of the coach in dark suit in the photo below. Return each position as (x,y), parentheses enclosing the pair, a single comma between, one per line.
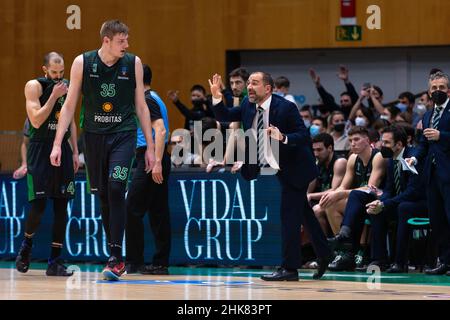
(403,198)
(434,152)
(281,121)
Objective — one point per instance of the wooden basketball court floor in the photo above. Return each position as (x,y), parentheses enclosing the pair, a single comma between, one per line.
(217,284)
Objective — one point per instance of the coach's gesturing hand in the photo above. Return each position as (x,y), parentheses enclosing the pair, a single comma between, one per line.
(216,86)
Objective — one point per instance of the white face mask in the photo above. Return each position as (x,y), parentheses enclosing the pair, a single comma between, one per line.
(307,123)
(360,121)
(420,109)
(384,117)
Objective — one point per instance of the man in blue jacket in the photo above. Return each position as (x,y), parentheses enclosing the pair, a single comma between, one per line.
(434,153)
(269,114)
(403,198)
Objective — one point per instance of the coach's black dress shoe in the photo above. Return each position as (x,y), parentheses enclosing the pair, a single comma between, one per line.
(440,269)
(322,266)
(397,268)
(281,274)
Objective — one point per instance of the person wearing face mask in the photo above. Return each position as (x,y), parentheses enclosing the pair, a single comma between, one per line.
(390,113)
(45,97)
(317,126)
(364,117)
(403,198)
(433,152)
(201,106)
(305,113)
(336,127)
(415,113)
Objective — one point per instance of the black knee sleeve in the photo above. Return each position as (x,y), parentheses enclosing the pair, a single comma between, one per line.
(34,218)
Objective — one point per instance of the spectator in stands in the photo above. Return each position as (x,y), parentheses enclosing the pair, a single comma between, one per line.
(347,98)
(425,100)
(282,85)
(318,125)
(414,113)
(363,117)
(379,125)
(390,113)
(201,106)
(337,129)
(374,95)
(403,117)
(403,198)
(305,113)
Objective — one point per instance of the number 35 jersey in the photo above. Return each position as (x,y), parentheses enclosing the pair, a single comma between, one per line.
(108,104)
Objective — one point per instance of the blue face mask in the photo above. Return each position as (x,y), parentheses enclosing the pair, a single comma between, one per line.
(402,106)
(360,121)
(314,130)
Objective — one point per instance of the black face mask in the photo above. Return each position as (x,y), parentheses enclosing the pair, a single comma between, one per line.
(339,127)
(387,152)
(197,103)
(439,97)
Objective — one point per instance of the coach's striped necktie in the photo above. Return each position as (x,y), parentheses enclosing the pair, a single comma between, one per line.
(260,134)
(397,177)
(435,123)
(436,116)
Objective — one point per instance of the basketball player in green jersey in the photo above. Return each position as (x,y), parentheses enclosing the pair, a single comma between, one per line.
(110,80)
(44,99)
